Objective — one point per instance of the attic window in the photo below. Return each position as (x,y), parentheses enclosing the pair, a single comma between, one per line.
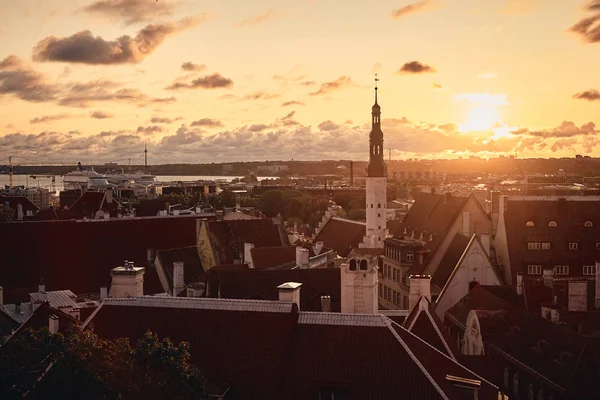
(552,224)
(410,256)
(529,224)
(588,224)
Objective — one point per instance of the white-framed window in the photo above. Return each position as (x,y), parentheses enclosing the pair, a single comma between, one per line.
(546,246)
(534,245)
(529,224)
(534,269)
(561,270)
(552,224)
(410,256)
(589,270)
(573,245)
(588,224)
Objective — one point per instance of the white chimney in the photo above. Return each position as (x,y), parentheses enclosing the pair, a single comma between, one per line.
(1,296)
(420,286)
(150,256)
(42,288)
(360,288)
(318,247)
(178,278)
(325,303)
(127,281)
(53,324)
(290,291)
(597,284)
(19,211)
(520,284)
(103,292)
(554,314)
(106,215)
(248,254)
(109,196)
(302,257)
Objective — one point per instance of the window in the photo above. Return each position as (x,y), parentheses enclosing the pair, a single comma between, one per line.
(552,224)
(506,377)
(331,394)
(395,297)
(516,384)
(380,290)
(378,215)
(410,256)
(546,246)
(589,270)
(353,265)
(573,246)
(534,269)
(597,246)
(588,224)
(561,270)
(364,265)
(534,245)
(529,224)
(378,205)
(531,393)
(394,275)
(541,395)
(371,205)
(389,294)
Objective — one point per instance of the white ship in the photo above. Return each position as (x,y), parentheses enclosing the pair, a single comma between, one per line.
(135,178)
(84,178)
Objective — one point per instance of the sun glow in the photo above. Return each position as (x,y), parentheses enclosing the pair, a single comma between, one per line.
(481,118)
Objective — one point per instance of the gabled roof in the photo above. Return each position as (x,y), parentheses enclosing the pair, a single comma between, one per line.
(228,237)
(425,323)
(280,257)
(262,284)
(341,235)
(14,201)
(91,202)
(268,350)
(192,266)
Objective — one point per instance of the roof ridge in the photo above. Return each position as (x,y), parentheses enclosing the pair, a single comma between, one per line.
(349,220)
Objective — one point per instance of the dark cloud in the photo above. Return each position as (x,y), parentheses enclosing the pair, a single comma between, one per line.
(84,47)
(48,118)
(86,94)
(288,120)
(588,28)
(260,96)
(132,11)
(328,87)
(19,79)
(101,115)
(292,103)
(566,129)
(190,66)
(159,120)
(415,67)
(412,8)
(258,127)
(165,100)
(209,122)
(258,19)
(328,126)
(149,130)
(183,137)
(214,81)
(590,95)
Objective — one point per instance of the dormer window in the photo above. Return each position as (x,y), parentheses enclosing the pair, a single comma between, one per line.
(573,246)
(529,224)
(552,224)
(410,256)
(588,224)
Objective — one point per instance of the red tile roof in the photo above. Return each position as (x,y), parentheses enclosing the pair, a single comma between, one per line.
(273,257)
(262,284)
(341,235)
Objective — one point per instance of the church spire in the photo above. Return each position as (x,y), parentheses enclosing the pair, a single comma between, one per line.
(376,80)
(376,167)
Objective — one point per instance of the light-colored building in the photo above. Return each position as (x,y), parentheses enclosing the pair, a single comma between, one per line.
(38,196)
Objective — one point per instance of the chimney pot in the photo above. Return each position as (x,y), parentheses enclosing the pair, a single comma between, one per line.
(103,292)
(290,291)
(302,257)
(420,286)
(42,288)
(178,278)
(325,303)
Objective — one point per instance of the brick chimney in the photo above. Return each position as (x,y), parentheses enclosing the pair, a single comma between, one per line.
(302,257)
(420,286)
(127,281)
(290,291)
(53,324)
(178,278)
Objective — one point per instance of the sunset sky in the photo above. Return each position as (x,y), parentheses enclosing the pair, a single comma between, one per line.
(216,81)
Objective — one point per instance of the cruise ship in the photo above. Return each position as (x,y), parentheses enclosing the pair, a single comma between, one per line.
(84,178)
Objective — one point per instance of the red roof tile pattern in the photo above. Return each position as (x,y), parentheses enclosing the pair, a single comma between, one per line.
(228,237)
(341,235)
(79,255)
(262,351)
(262,284)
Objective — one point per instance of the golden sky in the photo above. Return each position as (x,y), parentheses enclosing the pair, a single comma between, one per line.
(216,81)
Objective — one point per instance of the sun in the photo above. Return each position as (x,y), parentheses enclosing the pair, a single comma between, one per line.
(481,118)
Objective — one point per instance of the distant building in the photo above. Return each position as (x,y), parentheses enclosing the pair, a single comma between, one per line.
(272,169)
(38,196)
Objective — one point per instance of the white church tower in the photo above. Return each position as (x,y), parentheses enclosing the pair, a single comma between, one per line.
(376,183)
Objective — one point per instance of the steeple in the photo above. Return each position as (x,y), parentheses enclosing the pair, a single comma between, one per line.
(377,167)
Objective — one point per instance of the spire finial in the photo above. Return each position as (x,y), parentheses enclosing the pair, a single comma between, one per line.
(376,83)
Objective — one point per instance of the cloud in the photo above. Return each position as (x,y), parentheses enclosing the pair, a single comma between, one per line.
(258,127)
(483,99)
(260,96)
(563,144)
(132,11)
(566,129)
(415,67)
(328,126)
(149,130)
(418,6)
(308,83)
(214,81)
(165,100)
(328,87)
(590,95)
(48,118)
(487,75)
(100,115)
(84,47)
(259,19)
(288,120)
(588,28)
(19,79)
(86,94)
(376,68)
(292,103)
(436,86)
(209,122)
(160,120)
(190,66)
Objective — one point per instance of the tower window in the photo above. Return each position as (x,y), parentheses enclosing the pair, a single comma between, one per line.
(371,205)
(529,224)
(353,265)
(588,224)
(364,264)
(552,224)
(378,205)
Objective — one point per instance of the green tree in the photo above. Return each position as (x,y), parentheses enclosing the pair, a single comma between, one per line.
(272,203)
(357,214)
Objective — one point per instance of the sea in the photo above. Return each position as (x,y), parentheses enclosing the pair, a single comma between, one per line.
(46,182)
